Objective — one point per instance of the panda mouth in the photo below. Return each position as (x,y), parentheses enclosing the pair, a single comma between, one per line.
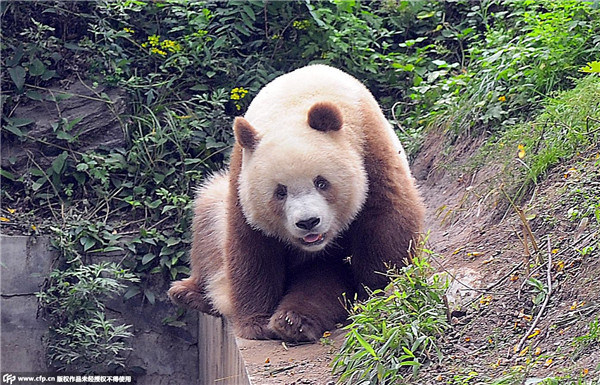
(313,239)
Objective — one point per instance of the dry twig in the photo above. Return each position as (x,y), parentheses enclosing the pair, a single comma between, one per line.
(539,315)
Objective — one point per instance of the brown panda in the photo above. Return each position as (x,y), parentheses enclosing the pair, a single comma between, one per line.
(317,201)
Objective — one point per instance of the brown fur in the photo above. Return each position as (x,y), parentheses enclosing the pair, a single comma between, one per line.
(325,116)
(245,133)
(279,291)
(390,223)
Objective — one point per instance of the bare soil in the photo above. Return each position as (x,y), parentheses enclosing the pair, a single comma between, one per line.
(502,327)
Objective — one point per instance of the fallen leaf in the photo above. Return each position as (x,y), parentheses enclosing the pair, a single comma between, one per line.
(475,254)
(535,333)
(560,265)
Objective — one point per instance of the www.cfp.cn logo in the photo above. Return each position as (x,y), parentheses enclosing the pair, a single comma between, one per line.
(8,378)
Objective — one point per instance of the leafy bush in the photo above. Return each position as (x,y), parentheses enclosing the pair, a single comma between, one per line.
(81,338)
(394,332)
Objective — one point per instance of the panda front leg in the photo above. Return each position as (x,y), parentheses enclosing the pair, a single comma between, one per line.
(313,302)
(256,272)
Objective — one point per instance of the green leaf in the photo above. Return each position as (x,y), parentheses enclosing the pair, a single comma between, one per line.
(219,42)
(112,248)
(38,184)
(132,292)
(249,11)
(364,344)
(34,95)
(15,130)
(7,175)
(17,74)
(150,296)
(48,74)
(37,67)
(592,67)
(72,123)
(147,258)
(11,62)
(20,122)
(87,243)
(65,136)
(58,164)
(154,204)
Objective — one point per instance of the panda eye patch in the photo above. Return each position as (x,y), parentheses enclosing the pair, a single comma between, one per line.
(280,192)
(321,183)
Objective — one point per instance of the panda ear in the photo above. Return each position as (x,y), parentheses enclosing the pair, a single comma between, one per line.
(245,134)
(325,116)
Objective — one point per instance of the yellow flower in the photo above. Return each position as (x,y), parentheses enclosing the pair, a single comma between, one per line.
(521,153)
(128,30)
(153,40)
(238,93)
(33,227)
(171,46)
(502,98)
(4,219)
(158,51)
(301,24)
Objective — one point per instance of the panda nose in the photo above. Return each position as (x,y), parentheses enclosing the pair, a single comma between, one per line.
(308,224)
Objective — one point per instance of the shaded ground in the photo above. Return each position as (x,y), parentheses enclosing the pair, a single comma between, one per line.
(480,244)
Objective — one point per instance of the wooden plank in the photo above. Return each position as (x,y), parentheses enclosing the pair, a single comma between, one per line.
(219,359)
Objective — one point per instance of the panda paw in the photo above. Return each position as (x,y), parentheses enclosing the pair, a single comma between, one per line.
(186,293)
(292,326)
(254,328)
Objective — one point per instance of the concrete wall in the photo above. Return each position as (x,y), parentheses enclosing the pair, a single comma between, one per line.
(202,352)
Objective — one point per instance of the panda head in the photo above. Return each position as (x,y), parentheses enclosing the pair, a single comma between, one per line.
(303,185)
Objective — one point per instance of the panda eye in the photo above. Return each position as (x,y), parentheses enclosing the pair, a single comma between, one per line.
(321,183)
(281,192)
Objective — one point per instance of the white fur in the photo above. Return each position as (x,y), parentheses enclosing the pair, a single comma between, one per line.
(211,206)
(303,206)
